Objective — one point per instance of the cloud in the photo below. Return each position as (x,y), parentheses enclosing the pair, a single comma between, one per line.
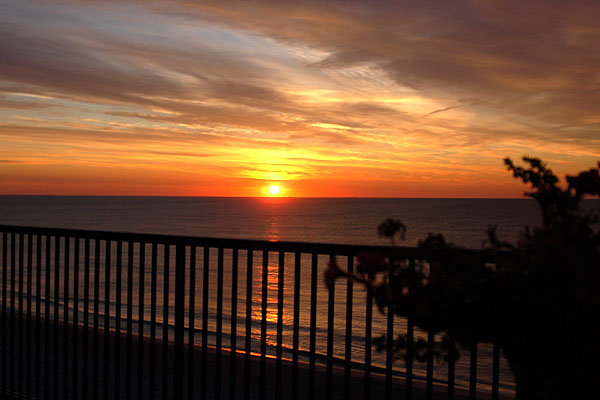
(537,59)
(22,104)
(314,86)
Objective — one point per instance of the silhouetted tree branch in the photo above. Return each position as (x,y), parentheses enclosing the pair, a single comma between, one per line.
(538,300)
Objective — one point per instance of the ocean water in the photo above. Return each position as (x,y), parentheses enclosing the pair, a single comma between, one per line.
(347,221)
(328,220)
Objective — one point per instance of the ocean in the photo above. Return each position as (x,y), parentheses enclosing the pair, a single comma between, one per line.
(328,220)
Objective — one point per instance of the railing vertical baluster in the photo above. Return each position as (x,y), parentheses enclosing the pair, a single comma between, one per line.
(263,324)
(12,317)
(473,373)
(75,318)
(429,383)
(19,347)
(128,358)
(451,367)
(47,322)
(4,331)
(20,343)
(205,275)
(165,335)
(96,319)
(11,345)
(191,322)
(313,326)
(330,327)
(28,344)
(348,348)
(248,344)
(430,342)
(410,343)
(65,354)
(219,338)
(389,356)
(16,325)
(106,353)
(179,322)
(296,334)
(38,315)
(233,346)
(56,312)
(86,318)
(23,319)
(141,286)
(153,285)
(495,372)
(118,282)
(279,354)
(368,337)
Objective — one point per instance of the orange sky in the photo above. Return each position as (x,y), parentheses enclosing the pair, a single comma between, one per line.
(337,98)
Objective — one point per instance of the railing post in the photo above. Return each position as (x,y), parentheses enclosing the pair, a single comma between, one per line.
(410,343)
(348,344)
(248,343)
(179,319)
(389,357)
(3,331)
(330,328)
(495,372)
(263,326)
(473,372)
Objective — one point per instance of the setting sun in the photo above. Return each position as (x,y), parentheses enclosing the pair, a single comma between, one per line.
(274,189)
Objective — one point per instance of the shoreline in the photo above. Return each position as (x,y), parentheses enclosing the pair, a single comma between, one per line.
(304,354)
(117,371)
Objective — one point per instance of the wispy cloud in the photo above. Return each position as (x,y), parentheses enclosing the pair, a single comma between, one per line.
(387,92)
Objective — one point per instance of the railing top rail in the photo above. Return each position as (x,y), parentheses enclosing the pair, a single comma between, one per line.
(248,244)
(254,244)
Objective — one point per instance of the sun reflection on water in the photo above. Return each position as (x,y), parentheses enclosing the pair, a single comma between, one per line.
(272,303)
(272,232)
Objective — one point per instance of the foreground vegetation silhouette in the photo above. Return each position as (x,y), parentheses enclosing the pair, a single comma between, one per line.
(539,300)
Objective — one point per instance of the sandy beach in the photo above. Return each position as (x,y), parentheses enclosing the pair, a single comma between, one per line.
(99,386)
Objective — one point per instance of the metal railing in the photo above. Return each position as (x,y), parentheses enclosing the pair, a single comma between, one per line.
(90,314)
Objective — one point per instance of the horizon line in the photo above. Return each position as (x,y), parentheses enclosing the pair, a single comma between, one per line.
(264,197)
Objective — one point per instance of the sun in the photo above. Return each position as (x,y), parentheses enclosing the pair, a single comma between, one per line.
(274,189)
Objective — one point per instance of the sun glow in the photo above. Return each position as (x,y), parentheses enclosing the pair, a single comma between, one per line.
(274,190)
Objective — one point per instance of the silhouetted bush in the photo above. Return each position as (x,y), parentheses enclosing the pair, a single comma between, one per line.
(539,300)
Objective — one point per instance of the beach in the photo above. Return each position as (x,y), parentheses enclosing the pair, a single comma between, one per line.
(93,383)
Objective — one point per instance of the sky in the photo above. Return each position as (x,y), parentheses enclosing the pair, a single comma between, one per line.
(325,98)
